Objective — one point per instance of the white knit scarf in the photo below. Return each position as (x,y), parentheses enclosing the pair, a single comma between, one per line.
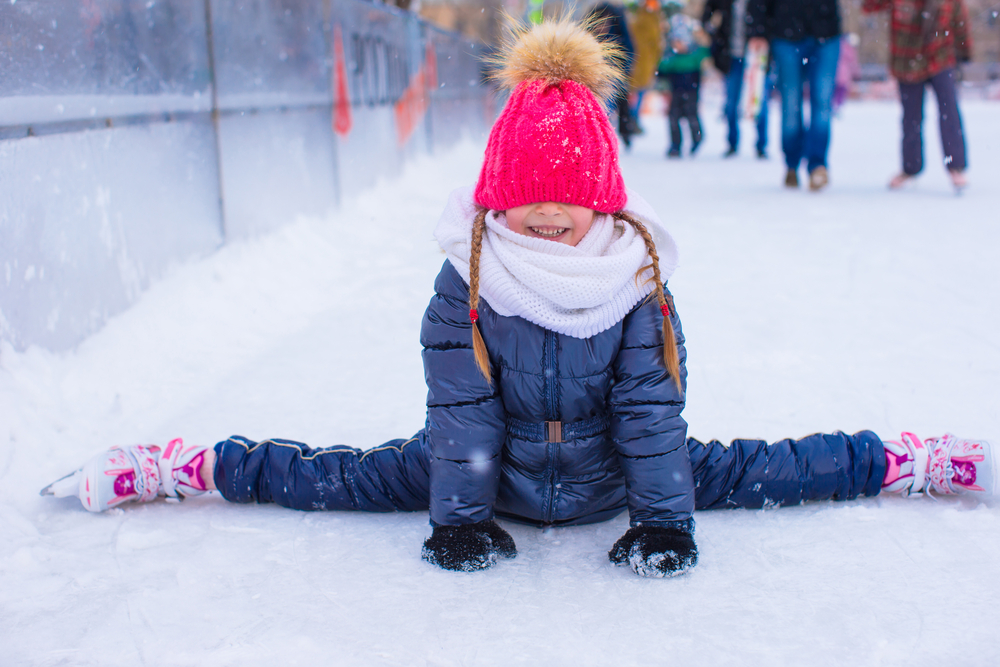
(579,290)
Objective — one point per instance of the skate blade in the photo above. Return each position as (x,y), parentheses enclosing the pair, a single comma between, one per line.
(64,487)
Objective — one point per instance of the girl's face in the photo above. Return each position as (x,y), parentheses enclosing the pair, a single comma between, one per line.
(563,223)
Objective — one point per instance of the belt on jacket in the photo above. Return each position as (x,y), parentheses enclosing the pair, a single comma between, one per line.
(557,431)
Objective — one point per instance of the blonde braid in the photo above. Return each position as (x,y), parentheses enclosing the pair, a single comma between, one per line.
(670,356)
(478,345)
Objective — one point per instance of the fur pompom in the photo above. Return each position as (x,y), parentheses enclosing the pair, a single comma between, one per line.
(559,50)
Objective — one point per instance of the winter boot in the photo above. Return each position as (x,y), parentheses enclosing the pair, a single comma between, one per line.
(945,465)
(136,472)
(819,178)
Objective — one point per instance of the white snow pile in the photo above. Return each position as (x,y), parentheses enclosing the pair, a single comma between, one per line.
(850,309)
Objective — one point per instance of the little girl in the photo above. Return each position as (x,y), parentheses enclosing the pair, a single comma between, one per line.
(554,362)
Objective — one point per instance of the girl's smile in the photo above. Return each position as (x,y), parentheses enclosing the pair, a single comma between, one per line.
(563,223)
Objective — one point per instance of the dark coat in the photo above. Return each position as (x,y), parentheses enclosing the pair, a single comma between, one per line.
(613,19)
(721,56)
(793,20)
(624,437)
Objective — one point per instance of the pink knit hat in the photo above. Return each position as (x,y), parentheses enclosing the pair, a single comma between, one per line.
(553,140)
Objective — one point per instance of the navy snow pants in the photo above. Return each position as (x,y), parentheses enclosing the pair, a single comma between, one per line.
(396,476)
(911,95)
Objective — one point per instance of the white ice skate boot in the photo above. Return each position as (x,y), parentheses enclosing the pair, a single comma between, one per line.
(945,465)
(136,472)
(961,466)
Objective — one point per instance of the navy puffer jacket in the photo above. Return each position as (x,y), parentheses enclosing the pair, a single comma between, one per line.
(623,437)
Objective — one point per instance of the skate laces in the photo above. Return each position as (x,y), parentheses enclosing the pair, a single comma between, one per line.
(180,470)
(143,460)
(957,465)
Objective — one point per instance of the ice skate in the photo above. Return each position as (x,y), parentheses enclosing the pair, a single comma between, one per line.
(899,180)
(958,465)
(138,473)
(945,466)
(958,181)
(819,178)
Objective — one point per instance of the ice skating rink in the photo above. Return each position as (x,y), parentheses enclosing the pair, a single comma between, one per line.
(850,309)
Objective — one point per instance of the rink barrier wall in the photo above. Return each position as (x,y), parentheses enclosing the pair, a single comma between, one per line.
(135,136)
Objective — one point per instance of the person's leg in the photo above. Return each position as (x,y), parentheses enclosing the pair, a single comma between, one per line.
(821,69)
(694,122)
(637,110)
(788,61)
(839,96)
(911,97)
(392,477)
(753,474)
(952,135)
(734,87)
(624,119)
(762,118)
(674,114)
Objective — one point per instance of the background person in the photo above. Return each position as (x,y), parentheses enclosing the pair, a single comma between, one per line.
(848,69)
(928,40)
(610,26)
(647,35)
(725,21)
(804,36)
(687,48)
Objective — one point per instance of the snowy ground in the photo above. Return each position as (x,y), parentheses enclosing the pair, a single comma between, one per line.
(855,308)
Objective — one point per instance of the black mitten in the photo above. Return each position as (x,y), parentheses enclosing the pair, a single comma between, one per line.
(656,551)
(475,546)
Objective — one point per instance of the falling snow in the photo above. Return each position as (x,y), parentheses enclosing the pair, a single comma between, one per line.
(854,308)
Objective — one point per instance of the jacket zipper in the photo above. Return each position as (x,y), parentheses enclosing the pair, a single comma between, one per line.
(552,413)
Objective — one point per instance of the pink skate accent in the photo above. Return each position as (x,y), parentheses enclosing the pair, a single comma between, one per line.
(123,486)
(174,444)
(906,465)
(894,468)
(955,464)
(965,473)
(193,471)
(180,470)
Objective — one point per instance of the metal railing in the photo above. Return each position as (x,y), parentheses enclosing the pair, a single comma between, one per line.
(135,135)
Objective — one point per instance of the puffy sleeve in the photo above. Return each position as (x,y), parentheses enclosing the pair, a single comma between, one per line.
(466,425)
(646,424)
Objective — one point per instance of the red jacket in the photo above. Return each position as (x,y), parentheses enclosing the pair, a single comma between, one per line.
(927,36)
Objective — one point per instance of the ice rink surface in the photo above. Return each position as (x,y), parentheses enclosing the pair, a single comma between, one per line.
(850,309)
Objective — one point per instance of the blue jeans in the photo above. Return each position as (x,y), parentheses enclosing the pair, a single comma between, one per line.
(813,60)
(734,87)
